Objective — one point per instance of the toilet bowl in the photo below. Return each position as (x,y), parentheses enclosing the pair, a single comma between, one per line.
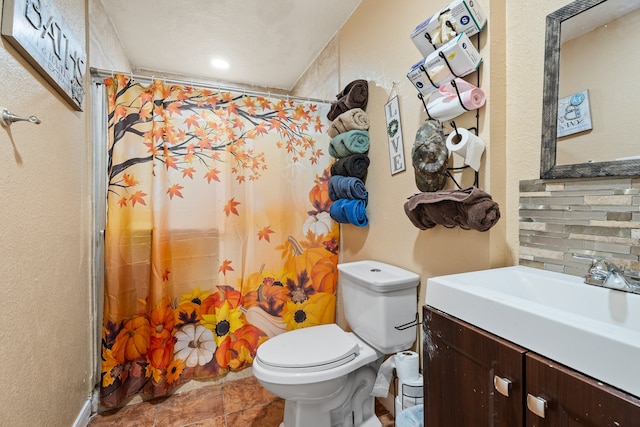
(325,374)
(318,381)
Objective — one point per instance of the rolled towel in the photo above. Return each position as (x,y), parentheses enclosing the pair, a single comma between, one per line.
(352,119)
(482,214)
(449,102)
(470,208)
(348,211)
(355,165)
(348,143)
(347,187)
(354,95)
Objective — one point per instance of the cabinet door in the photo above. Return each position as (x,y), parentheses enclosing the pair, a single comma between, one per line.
(464,367)
(573,399)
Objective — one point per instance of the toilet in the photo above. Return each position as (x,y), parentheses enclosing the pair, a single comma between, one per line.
(326,374)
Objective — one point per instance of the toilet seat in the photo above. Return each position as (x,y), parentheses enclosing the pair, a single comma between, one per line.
(312,349)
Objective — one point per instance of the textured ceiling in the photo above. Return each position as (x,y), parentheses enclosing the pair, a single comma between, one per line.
(268,43)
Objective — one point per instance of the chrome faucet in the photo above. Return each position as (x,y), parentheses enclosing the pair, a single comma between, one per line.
(605,273)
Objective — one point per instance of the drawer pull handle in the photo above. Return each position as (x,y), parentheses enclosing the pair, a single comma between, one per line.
(502,385)
(537,405)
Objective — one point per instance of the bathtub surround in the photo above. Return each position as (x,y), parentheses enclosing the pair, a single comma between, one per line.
(594,217)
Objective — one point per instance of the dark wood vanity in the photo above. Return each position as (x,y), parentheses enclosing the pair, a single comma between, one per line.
(473,378)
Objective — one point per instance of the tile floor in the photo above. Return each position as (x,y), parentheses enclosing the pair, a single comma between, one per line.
(239,403)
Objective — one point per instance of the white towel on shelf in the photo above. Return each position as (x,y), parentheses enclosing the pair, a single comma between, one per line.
(445,105)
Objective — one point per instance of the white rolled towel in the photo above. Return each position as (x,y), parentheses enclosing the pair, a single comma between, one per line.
(444,103)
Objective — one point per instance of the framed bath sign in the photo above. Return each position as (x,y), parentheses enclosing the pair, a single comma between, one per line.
(574,114)
(394,136)
(37,30)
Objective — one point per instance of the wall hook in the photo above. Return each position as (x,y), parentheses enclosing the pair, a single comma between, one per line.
(455,128)
(421,97)
(7,117)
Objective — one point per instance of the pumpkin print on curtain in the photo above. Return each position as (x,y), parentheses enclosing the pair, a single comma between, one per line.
(218,233)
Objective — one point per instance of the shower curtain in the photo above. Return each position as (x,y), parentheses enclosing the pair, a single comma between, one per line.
(218,234)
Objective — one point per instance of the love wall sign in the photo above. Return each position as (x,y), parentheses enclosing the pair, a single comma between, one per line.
(394,135)
(37,30)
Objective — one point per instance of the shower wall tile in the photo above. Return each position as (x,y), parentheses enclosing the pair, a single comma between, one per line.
(593,217)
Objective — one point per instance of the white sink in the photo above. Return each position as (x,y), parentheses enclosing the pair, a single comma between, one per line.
(591,329)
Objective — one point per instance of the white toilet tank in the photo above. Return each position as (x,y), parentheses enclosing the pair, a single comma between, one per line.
(379,299)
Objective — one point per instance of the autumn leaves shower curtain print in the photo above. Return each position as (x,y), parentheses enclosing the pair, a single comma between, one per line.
(218,233)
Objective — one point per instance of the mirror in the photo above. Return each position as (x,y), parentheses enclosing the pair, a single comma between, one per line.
(591,70)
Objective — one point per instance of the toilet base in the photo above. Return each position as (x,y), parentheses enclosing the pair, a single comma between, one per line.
(352,405)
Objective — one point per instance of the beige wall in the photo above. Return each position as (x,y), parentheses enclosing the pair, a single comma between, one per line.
(525,23)
(374,45)
(45,222)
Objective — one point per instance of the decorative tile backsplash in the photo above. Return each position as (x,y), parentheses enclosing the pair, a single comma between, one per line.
(593,217)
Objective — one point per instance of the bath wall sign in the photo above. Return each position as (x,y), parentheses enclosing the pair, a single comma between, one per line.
(37,30)
(394,135)
(574,114)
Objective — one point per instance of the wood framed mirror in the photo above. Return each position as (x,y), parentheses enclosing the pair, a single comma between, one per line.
(583,17)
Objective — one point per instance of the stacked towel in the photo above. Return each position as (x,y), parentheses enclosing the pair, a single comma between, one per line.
(355,165)
(470,208)
(352,119)
(346,187)
(348,143)
(349,211)
(354,95)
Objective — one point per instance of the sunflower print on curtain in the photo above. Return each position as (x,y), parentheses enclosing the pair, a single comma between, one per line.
(218,233)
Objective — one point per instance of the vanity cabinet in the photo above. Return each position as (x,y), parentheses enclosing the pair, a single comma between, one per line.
(474,378)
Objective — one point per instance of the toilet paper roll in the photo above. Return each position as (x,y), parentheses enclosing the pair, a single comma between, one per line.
(467,145)
(383,379)
(407,365)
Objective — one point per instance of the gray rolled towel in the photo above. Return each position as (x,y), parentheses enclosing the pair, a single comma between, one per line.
(470,208)
(352,119)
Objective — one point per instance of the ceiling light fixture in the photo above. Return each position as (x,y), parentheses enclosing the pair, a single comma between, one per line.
(220,63)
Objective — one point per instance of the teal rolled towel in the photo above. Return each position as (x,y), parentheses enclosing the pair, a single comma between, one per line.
(352,142)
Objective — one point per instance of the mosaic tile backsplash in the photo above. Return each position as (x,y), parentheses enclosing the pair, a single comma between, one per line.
(593,217)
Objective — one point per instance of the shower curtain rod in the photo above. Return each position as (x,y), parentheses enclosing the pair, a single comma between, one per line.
(97,72)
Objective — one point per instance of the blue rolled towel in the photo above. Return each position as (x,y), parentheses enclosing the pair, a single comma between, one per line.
(352,142)
(347,187)
(348,211)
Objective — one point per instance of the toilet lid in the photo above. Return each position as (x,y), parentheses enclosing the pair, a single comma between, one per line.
(309,349)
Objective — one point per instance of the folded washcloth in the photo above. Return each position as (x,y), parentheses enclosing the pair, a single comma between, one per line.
(468,208)
(347,211)
(347,187)
(355,165)
(348,143)
(352,119)
(354,95)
